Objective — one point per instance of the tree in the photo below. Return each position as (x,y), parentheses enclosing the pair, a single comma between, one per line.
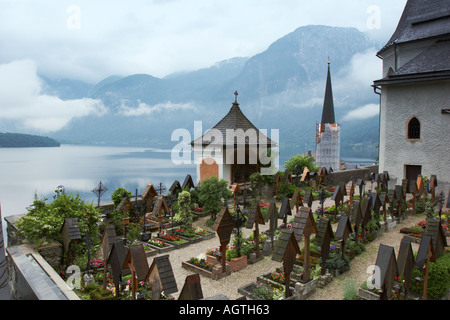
(302,161)
(214,194)
(119,194)
(183,208)
(44,220)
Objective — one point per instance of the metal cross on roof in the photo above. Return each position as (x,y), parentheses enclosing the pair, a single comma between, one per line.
(235,94)
(99,191)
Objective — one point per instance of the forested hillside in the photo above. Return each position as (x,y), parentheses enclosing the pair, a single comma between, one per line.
(19,140)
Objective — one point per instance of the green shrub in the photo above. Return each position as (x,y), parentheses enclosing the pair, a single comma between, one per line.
(214,194)
(438,278)
(119,194)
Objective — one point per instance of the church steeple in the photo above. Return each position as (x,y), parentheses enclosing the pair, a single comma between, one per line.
(328,105)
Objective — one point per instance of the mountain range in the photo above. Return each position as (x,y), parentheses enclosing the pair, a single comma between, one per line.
(280,88)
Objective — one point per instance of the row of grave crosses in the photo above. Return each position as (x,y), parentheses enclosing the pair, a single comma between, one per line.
(388,266)
(121,261)
(299,176)
(155,204)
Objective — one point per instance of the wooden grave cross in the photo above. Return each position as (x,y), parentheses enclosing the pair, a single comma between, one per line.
(438,237)
(277,179)
(285,210)
(338,199)
(432,186)
(384,199)
(161,277)
(70,231)
(366,215)
(303,226)
(308,198)
(400,198)
(188,183)
(424,256)
(344,228)
(107,240)
(296,200)
(286,251)
(357,217)
(305,174)
(224,226)
(350,192)
(323,239)
(136,261)
(116,258)
(360,183)
(255,218)
(192,288)
(160,206)
(272,217)
(125,206)
(392,195)
(387,270)
(405,262)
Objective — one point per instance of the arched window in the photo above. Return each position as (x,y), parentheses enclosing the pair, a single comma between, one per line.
(414,129)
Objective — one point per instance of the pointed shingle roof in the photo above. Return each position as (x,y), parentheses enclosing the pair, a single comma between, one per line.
(234,120)
(328,105)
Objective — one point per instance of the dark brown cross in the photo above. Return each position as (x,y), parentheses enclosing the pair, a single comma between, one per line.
(236,94)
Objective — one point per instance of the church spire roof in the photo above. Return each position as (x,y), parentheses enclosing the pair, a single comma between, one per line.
(328,105)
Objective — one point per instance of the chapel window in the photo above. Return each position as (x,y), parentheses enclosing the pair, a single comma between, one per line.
(414,128)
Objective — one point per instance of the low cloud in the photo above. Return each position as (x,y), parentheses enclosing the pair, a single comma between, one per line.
(364,112)
(144,109)
(21,100)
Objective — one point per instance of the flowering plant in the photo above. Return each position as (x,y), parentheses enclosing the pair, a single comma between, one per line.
(157,242)
(97,263)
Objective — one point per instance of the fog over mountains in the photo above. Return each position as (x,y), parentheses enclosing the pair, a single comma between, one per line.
(280,88)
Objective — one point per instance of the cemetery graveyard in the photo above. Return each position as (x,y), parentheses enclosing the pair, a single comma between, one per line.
(307,234)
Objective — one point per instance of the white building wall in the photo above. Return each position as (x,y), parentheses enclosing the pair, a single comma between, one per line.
(423,100)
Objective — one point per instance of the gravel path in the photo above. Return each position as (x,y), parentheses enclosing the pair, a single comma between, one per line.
(229,285)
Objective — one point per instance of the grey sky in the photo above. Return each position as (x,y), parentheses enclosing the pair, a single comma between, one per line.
(90,40)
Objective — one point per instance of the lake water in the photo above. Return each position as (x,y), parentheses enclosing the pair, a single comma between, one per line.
(25,172)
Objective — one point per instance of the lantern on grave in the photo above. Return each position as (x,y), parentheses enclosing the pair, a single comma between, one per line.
(224,226)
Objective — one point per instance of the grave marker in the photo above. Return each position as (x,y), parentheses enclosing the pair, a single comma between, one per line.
(424,256)
(71,233)
(161,278)
(308,198)
(438,237)
(224,226)
(188,183)
(255,218)
(136,261)
(323,239)
(388,270)
(405,262)
(357,217)
(160,206)
(272,217)
(192,288)
(285,210)
(296,200)
(115,260)
(344,228)
(286,251)
(106,243)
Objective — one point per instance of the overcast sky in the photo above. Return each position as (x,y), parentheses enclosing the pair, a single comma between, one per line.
(90,40)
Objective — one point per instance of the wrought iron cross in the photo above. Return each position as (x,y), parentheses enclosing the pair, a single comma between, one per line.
(161,188)
(99,191)
(235,94)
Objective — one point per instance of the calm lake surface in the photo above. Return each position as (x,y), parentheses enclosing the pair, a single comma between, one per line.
(25,172)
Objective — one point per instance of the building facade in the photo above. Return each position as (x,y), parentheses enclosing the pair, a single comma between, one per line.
(415,94)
